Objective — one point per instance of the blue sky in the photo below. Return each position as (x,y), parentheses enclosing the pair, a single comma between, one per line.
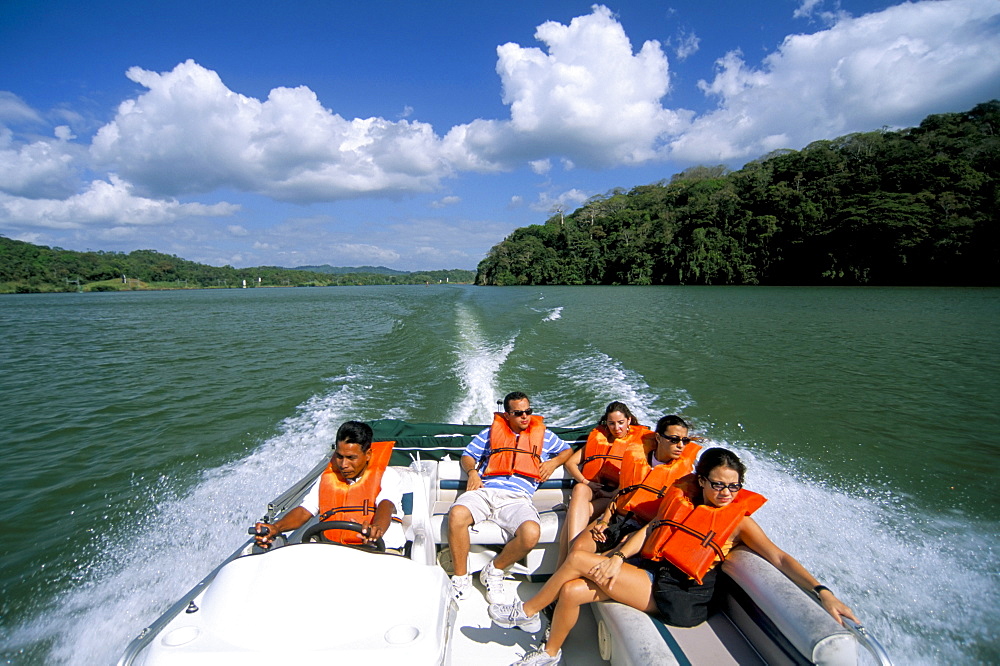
(418,135)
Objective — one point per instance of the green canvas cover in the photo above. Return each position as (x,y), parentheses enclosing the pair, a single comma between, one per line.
(435,441)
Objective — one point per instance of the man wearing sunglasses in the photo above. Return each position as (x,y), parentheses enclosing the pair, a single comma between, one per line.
(505,463)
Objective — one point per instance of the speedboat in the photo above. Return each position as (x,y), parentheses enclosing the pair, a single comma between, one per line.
(312,602)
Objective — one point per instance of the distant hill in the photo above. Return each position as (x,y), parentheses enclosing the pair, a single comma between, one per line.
(342,270)
(28,268)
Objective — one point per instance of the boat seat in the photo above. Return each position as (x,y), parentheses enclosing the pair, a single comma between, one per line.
(449,481)
(778,617)
(783,624)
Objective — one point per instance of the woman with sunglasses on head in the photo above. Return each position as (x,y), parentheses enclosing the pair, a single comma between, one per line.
(646,472)
(596,467)
(676,564)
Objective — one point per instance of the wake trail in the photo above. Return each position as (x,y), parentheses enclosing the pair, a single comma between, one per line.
(477,362)
(138,570)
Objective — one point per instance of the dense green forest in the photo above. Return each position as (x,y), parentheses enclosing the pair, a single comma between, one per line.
(918,206)
(28,268)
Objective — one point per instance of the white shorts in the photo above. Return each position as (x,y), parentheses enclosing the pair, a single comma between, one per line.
(506,508)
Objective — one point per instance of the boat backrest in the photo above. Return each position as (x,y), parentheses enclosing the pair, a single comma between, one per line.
(447,482)
(451,482)
(783,625)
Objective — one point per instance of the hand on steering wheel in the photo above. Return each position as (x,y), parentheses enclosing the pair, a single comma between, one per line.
(378,544)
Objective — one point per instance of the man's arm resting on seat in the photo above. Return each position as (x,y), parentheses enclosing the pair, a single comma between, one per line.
(468,464)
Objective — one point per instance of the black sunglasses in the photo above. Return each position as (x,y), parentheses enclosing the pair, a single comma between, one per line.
(719,486)
(675,439)
(518,413)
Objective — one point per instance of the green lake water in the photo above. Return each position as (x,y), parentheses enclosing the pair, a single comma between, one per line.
(142,432)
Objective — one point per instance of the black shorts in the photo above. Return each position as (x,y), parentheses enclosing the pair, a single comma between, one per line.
(615,532)
(682,601)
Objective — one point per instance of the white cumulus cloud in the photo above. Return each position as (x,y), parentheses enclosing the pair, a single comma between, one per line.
(588,97)
(190,133)
(687,45)
(892,67)
(565,201)
(445,201)
(39,169)
(102,203)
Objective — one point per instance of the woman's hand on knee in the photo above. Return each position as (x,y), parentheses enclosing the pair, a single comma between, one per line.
(604,572)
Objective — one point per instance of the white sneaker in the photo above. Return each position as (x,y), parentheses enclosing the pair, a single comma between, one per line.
(492,580)
(513,615)
(539,658)
(460,586)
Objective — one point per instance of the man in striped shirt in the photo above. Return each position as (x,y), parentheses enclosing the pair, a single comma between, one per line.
(505,463)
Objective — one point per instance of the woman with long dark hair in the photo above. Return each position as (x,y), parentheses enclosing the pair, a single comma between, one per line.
(675,566)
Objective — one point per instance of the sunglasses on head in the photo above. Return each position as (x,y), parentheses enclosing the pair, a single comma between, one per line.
(518,413)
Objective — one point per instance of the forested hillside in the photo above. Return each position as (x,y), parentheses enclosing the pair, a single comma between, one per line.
(912,207)
(32,268)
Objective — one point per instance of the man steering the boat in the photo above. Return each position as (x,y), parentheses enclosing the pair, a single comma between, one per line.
(505,463)
(357,486)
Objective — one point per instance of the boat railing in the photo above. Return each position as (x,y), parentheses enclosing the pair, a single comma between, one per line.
(279,505)
(869,642)
(291,497)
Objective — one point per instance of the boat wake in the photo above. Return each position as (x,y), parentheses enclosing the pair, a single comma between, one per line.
(873,547)
(134,573)
(596,374)
(477,363)
(885,559)
(554,314)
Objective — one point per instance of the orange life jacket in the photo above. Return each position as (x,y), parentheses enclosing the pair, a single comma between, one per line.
(340,500)
(601,460)
(511,454)
(693,538)
(643,486)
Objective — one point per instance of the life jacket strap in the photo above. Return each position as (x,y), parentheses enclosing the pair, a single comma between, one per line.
(659,492)
(365,508)
(707,540)
(600,456)
(484,461)
(515,451)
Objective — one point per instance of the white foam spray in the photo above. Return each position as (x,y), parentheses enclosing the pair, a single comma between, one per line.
(554,313)
(147,562)
(924,586)
(596,374)
(477,363)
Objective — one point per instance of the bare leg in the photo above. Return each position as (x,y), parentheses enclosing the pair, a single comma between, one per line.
(632,587)
(525,538)
(577,516)
(585,540)
(577,565)
(459,522)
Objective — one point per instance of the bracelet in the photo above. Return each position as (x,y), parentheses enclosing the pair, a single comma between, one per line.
(820,588)
(602,522)
(619,554)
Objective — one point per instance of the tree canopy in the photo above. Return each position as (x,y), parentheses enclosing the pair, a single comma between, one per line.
(25,267)
(917,206)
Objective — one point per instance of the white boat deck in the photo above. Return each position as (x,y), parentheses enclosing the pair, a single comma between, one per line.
(478,641)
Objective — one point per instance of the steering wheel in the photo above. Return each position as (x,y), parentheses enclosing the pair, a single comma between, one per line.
(319,528)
